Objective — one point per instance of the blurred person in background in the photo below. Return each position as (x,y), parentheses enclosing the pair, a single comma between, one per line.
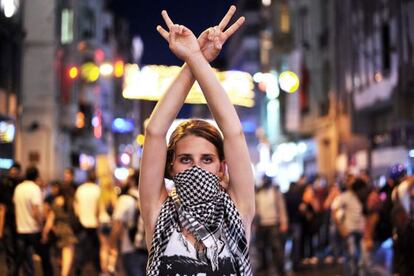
(69,179)
(107,203)
(402,216)
(384,226)
(370,199)
(51,194)
(293,199)
(309,209)
(28,201)
(272,225)
(348,211)
(59,225)
(87,209)
(334,248)
(8,235)
(127,236)
(321,191)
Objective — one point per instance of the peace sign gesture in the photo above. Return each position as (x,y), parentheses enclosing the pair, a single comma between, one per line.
(210,41)
(181,40)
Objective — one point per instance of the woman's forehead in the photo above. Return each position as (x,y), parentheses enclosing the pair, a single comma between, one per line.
(195,144)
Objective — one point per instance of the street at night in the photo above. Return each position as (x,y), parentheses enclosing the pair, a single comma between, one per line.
(232,137)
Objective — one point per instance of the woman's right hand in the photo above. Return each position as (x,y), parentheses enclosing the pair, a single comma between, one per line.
(181,40)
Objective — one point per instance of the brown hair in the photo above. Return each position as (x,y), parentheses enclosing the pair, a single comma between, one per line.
(196,127)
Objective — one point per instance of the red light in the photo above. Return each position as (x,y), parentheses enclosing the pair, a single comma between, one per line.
(99,55)
(73,72)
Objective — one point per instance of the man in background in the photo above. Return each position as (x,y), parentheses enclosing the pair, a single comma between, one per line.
(8,235)
(28,202)
(86,208)
(272,225)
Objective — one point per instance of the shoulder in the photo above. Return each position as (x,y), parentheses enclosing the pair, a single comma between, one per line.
(28,186)
(88,187)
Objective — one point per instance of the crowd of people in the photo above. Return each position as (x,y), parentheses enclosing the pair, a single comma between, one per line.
(99,222)
(340,223)
(96,222)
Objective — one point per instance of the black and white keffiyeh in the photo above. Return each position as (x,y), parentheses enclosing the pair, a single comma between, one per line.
(202,207)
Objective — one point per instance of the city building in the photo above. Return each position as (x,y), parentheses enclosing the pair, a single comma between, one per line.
(11,37)
(71,69)
(375,82)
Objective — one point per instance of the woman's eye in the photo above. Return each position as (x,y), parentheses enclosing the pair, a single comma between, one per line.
(207,159)
(185,159)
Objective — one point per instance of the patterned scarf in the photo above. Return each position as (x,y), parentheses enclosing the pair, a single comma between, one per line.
(201,207)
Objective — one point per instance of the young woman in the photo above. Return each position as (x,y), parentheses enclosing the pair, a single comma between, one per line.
(199,227)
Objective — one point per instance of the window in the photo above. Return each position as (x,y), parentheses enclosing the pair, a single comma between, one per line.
(284,23)
(66,28)
(385,49)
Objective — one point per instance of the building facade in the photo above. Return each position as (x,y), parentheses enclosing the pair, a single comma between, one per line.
(71,68)
(374,80)
(11,37)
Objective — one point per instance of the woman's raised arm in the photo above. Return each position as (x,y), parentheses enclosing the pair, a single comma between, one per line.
(241,188)
(152,189)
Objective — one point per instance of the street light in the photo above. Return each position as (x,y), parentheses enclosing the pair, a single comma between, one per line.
(289,81)
(73,72)
(9,7)
(106,69)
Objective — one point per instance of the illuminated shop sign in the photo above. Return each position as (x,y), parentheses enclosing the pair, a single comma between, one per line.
(151,81)
(7,132)
(6,163)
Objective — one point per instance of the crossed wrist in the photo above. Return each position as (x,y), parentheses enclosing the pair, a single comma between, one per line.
(195,55)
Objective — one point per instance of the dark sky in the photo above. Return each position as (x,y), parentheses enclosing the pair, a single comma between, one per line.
(145,15)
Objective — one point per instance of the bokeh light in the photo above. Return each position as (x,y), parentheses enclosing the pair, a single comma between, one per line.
(289,81)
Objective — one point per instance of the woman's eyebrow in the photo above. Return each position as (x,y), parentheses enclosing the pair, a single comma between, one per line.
(208,154)
(184,154)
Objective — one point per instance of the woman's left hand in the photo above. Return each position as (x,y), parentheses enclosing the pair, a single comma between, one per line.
(212,40)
